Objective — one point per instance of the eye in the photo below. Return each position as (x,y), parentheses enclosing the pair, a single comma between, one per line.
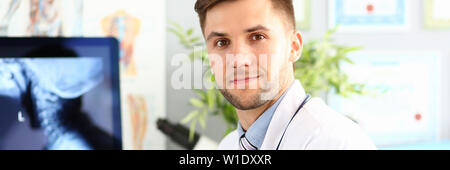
(256,37)
(222,43)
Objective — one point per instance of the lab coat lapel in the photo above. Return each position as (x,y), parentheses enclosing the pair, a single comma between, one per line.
(283,114)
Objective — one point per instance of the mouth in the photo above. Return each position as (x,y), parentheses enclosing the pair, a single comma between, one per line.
(245,80)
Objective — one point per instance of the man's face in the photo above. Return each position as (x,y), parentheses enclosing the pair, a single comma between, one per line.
(249,46)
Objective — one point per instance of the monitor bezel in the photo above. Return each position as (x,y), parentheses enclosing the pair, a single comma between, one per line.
(70,43)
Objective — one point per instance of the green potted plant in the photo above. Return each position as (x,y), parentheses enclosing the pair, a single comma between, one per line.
(318,69)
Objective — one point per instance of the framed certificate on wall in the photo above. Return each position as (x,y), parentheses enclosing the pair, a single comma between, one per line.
(402,104)
(369,15)
(437,14)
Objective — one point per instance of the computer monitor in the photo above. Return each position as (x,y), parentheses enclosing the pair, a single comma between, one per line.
(59,94)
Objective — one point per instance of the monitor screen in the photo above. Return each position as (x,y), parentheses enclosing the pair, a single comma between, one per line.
(59,94)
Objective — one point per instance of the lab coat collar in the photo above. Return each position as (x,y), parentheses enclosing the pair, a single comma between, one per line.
(283,114)
(257,131)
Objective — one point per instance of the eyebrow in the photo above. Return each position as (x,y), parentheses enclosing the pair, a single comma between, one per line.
(252,29)
(215,34)
(256,28)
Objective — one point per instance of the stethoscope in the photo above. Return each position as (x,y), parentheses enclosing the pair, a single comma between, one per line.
(292,118)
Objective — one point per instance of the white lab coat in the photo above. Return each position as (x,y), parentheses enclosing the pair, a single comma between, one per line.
(316,126)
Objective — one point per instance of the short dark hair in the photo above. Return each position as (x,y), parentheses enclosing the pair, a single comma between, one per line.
(285,6)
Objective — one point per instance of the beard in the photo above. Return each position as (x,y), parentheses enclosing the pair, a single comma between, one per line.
(247,99)
(251,102)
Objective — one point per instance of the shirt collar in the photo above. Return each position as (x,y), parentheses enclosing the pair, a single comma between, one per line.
(257,131)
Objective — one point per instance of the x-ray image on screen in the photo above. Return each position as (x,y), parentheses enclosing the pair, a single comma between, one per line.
(55,103)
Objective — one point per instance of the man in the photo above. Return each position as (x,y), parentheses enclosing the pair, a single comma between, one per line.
(252,46)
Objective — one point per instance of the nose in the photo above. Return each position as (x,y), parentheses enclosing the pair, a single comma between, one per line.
(241,55)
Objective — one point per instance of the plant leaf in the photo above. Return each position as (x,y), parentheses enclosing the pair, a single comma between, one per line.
(202,118)
(190,31)
(196,103)
(195,39)
(192,130)
(189,116)
(211,95)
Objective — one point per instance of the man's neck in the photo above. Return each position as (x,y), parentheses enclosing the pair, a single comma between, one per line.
(248,117)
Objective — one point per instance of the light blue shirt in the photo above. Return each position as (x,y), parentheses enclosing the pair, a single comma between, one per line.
(257,131)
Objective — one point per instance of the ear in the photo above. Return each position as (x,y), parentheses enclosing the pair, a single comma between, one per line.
(296,46)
